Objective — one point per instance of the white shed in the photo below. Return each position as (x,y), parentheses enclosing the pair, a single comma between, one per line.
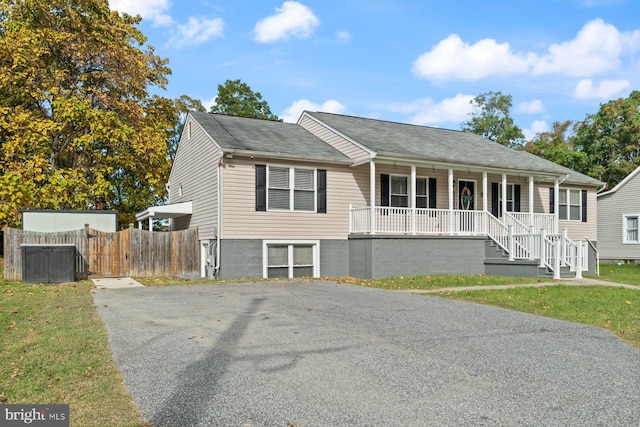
(52,221)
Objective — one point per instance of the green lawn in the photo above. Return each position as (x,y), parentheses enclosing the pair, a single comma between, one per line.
(55,350)
(623,273)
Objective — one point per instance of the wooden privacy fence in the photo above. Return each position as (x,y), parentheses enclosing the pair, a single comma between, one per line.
(130,252)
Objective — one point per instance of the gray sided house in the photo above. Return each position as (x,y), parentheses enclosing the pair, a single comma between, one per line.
(335,195)
(619,221)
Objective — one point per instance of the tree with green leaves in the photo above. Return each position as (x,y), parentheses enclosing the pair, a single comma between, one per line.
(236,98)
(610,140)
(79,128)
(490,119)
(557,146)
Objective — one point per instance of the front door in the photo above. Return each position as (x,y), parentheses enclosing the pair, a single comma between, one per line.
(467,204)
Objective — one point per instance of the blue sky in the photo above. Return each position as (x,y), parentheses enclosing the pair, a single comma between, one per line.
(413,61)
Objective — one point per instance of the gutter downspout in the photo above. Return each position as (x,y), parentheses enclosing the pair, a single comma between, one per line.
(219,185)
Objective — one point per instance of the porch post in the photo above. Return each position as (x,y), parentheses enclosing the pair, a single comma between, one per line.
(150,223)
(372,196)
(531,221)
(485,202)
(450,176)
(556,203)
(412,200)
(504,195)
(139,225)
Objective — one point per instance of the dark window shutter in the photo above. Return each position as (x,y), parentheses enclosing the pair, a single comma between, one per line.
(552,203)
(516,198)
(584,205)
(261,187)
(384,190)
(494,199)
(322,190)
(432,193)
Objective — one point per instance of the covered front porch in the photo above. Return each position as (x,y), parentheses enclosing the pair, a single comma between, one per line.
(410,204)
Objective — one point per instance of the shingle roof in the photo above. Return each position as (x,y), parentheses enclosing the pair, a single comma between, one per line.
(266,136)
(441,145)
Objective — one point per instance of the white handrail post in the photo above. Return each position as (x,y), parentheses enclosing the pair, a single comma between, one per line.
(511,242)
(543,238)
(556,260)
(579,260)
(565,236)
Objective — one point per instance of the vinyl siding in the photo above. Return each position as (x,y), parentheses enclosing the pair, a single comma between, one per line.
(350,149)
(611,209)
(240,220)
(195,170)
(577,230)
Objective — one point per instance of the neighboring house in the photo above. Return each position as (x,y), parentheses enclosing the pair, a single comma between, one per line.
(336,195)
(619,220)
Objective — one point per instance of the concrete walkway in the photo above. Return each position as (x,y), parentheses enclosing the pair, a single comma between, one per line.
(116,283)
(565,282)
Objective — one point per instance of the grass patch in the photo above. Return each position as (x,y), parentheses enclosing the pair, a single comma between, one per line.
(439,281)
(614,309)
(55,350)
(623,273)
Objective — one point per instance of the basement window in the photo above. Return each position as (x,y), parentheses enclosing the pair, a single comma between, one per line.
(288,260)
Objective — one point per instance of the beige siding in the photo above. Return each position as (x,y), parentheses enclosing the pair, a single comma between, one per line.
(577,230)
(348,148)
(611,209)
(240,220)
(195,172)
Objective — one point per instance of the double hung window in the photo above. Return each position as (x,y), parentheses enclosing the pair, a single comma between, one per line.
(291,189)
(569,204)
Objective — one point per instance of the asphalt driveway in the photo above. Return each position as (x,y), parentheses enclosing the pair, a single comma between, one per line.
(327,354)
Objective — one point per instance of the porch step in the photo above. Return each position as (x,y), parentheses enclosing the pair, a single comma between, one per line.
(497,263)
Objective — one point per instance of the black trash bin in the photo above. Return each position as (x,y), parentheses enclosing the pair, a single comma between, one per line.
(48,263)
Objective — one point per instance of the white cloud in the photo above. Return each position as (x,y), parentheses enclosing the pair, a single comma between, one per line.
(537,127)
(152,10)
(293,112)
(597,48)
(427,112)
(207,104)
(453,59)
(343,36)
(293,19)
(607,89)
(534,106)
(196,31)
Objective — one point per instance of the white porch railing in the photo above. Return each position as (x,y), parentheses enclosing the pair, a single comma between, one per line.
(526,222)
(514,233)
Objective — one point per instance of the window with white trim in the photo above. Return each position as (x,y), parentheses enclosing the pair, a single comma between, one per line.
(569,204)
(422,193)
(399,192)
(291,259)
(510,198)
(630,228)
(291,189)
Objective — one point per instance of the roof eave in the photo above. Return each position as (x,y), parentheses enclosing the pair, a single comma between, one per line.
(229,153)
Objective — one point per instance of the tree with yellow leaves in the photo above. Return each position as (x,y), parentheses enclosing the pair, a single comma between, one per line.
(79,128)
